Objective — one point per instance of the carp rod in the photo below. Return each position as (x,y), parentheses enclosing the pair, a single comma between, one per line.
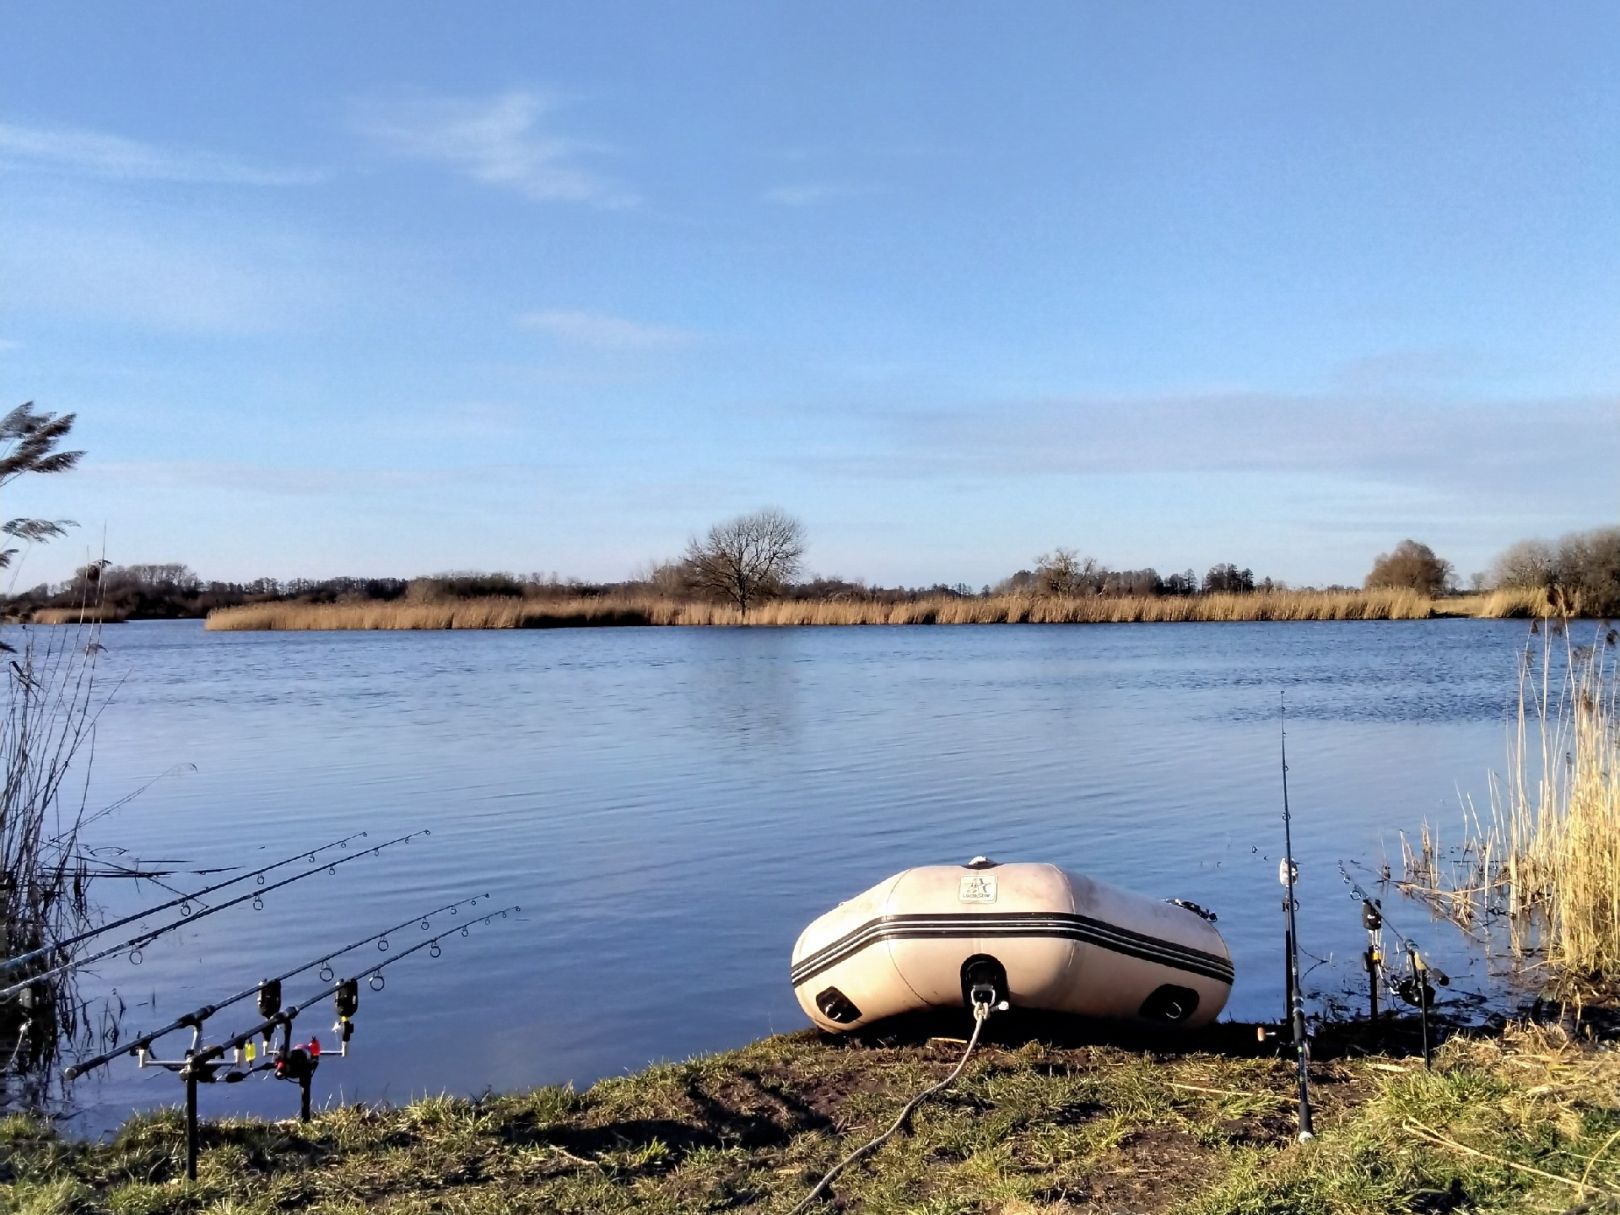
(136,943)
(296,1064)
(1289,872)
(182,901)
(268,990)
(347,988)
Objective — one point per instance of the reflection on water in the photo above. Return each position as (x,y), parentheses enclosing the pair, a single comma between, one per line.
(671,806)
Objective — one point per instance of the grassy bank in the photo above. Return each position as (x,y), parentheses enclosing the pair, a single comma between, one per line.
(1527,1122)
(516,613)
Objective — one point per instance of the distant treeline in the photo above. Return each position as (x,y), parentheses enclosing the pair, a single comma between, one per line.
(1578,574)
(172,591)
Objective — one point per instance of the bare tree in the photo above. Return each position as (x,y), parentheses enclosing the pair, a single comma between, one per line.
(747,558)
(1581,572)
(1588,569)
(1529,563)
(1063,571)
(1225,578)
(1411,566)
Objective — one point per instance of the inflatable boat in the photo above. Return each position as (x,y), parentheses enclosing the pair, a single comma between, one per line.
(1031,935)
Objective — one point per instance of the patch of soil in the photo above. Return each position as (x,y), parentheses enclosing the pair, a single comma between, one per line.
(1154,1170)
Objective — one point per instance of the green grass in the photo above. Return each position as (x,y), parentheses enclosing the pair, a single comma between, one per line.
(1029,1130)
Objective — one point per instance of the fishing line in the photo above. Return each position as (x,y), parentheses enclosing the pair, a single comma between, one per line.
(135,944)
(194,1019)
(285,1016)
(181,901)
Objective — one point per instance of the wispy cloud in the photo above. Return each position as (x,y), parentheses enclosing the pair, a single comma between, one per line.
(505,141)
(812,194)
(603,332)
(302,481)
(1478,451)
(161,268)
(9,344)
(97,154)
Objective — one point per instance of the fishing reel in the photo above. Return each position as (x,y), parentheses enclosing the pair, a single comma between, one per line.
(298,1063)
(1414,986)
(1416,990)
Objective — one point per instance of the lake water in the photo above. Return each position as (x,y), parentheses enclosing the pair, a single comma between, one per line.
(671,806)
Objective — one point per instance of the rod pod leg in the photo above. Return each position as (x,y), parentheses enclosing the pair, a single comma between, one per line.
(1423,1016)
(192,1134)
(1372,985)
(303,1098)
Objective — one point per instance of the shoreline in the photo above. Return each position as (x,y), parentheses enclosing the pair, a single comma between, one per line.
(1510,1121)
(618,611)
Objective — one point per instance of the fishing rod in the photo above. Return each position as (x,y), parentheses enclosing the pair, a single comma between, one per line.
(1289,873)
(136,943)
(183,901)
(1415,988)
(296,1064)
(283,1018)
(268,990)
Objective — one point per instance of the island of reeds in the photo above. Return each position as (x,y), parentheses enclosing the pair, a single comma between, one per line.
(749,571)
(523,612)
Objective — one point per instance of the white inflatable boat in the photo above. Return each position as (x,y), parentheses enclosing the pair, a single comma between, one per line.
(1042,938)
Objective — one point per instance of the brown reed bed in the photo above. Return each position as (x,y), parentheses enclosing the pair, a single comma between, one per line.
(1523,603)
(93,613)
(517,613)
(1546,866)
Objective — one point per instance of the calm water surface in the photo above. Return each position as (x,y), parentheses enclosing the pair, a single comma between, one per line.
(671,806)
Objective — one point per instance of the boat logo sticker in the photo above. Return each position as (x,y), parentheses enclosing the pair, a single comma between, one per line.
(976,888)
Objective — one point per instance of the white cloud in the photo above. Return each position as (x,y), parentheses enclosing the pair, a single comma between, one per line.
(811,194)
(237,477)
(604,332)
(503,141)
(160,268)
(1486,453)
(96,154)
(9,344)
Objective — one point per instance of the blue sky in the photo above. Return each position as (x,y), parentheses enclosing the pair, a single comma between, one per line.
(382,288)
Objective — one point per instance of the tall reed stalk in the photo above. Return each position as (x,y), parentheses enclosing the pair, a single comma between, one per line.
(1547,864)
(50,714)
(52,702)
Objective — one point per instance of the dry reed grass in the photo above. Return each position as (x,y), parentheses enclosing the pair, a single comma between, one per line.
(515,613)
(1517,603)
(89,614)
(1547,865)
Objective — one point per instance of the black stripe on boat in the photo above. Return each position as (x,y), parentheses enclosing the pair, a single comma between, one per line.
(1208,965)
(1063,925)
(1024,923)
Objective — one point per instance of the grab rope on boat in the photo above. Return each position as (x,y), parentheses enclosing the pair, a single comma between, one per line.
(984,1003)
